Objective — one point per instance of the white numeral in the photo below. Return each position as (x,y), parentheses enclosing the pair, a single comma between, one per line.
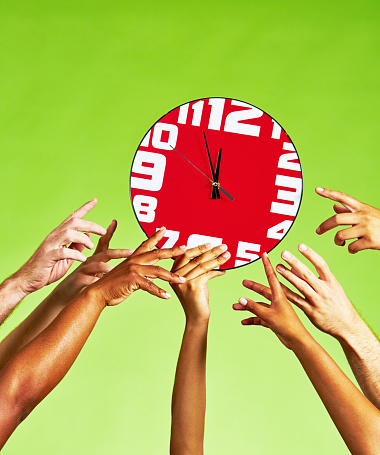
(182,115)
(216,114)
(276,132)
(233,119)
(278,232)
(171,139)
(198,109)
(244,252)
(145,207)
(292,196)
(145,141)
(172,236)
(285,162)
(155,172)
(197,239)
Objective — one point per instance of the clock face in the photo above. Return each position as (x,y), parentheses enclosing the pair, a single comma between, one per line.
(217,170)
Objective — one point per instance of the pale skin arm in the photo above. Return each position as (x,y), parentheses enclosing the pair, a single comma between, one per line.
(363,219)
(87,273)
(189,391)
(356,418)
(51,260)
(325,303)
(37,368)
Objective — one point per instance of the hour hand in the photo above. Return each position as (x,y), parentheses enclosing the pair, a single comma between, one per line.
(215,191)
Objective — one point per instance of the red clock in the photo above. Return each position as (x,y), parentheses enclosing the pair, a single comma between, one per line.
(217,170)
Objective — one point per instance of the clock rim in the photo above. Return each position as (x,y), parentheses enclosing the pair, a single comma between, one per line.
(225,98)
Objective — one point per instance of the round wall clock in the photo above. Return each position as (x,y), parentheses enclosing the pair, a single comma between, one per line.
(217,170)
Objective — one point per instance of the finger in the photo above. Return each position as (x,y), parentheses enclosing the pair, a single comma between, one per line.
(337,220)
(104,241)
(151,271)
(259,288)
(78,246)
(152,257)
(190,254)
(318,262)
(254,321)
(348,201)
(347,234)
(215,273)
(339,209)
(85,226)
(258,308)
(97,267)
(297,282)
(107,255)
(70,235)
(83,210)
(66,253)
(272,277)
(152,288)
(300,269)
(198,259)
(205,267)
(358,245)
(151,242)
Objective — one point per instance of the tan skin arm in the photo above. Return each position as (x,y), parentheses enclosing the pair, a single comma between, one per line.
(87,273)
(37,368)
(356,418)
(189,391)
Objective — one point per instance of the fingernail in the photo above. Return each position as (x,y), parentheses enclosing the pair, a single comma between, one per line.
(243,301)
(208,245)
(167,295)
(319,189)
(91,245)
(280,268)
(318,230)
(182,279)
(226,255)
(162,228)
(223,247)
(182,247)
(286,254)
(302,247)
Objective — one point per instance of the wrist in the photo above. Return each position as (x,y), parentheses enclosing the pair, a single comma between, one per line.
(304,341)
(197,323)
(13,290)
(94,296)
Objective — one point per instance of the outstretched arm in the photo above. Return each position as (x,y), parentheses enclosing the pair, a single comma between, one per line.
(325,303)
(189,392)
(51,260)
(37,368)
(87,273)
(363,219)
(355,417)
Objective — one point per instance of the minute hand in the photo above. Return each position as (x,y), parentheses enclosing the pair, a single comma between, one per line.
(208,178)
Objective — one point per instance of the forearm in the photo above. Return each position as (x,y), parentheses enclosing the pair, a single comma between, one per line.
(362,350)
(35,370)
(11,294)
(32,326)
(189,393)
(355,417)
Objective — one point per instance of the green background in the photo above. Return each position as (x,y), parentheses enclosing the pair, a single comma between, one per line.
(80,83)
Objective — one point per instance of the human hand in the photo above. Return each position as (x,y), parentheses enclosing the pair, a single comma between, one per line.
(364,219)
(323,299)
(197,265)
(94,268)
(280,316)
(52,259)
(137,272)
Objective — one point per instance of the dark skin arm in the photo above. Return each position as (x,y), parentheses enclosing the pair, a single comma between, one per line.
(36,369)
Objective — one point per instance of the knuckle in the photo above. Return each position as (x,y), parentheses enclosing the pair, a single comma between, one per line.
(197,260)
(340,235)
